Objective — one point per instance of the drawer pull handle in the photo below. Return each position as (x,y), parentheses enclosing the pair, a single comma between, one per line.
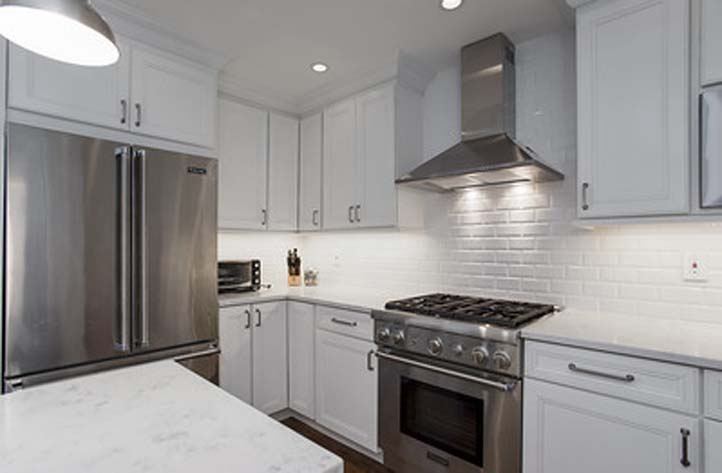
(437,459)
(685,448)
(344,322)
(626,378)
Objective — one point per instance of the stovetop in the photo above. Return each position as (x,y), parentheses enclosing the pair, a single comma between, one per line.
(477,310)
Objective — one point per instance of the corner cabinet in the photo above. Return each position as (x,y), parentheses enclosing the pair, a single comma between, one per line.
(310,169)
(365,140)
(633,116)
(283,173)
(147,92)
(568,431)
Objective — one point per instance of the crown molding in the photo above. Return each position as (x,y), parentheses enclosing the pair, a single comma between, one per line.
(135,24)
(257,96)
(577,3)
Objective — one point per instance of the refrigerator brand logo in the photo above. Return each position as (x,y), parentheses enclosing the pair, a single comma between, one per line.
(199,171)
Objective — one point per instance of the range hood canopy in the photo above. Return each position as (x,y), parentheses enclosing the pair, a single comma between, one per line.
(488,153)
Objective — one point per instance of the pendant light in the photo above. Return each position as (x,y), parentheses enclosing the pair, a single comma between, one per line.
(65,30)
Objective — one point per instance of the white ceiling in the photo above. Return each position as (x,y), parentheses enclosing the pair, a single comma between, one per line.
(270,44)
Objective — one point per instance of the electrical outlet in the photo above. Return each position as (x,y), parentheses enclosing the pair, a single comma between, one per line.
(695,268)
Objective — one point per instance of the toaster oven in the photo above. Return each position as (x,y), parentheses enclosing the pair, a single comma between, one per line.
(239,276)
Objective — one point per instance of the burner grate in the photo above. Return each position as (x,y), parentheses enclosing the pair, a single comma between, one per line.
(502,313)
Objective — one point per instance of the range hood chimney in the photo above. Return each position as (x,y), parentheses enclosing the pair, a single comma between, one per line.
(488,154)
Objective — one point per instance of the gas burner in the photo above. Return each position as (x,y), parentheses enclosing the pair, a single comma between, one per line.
(501,313)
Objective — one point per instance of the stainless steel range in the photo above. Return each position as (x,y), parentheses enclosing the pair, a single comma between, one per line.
(450,383)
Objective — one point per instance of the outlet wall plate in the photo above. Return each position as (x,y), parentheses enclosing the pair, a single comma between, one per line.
(695,268)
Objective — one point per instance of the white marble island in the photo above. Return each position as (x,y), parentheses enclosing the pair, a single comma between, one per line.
(157,417)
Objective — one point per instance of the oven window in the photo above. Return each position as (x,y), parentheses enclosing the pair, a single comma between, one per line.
(444,419)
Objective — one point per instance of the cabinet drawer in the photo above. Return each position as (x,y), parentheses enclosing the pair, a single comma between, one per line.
(713,394)
(660,384)
(345,322)
(712,441)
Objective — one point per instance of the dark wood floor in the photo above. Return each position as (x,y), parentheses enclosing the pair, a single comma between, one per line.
(353,461)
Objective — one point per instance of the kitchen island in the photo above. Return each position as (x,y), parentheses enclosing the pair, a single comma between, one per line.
(157,417)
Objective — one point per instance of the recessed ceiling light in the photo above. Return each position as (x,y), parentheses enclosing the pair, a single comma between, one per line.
(451,4)
(319,67)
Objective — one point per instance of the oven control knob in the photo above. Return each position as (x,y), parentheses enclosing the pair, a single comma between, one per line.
(458,350)
(436,346)
(480,355)
(502,360)
(398,337)
(383,335)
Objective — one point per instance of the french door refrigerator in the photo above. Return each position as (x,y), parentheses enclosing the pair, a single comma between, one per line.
(110,255)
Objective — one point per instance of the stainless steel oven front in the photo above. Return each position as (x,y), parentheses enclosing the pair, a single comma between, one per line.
(437,419)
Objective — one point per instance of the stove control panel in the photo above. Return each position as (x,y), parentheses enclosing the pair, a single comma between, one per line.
(476,353)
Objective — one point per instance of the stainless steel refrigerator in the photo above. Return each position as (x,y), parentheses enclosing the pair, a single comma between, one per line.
(110,256)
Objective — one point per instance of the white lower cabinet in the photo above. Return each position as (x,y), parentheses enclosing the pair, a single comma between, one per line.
(234,336)
(270,357)
(713,446)
(254,363)
(301,349)
(346,387)
(570,431)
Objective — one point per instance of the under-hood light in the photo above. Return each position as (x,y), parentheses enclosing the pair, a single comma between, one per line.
(69,31)
(492,184)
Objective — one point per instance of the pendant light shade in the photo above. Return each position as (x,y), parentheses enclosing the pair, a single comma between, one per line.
(65,30)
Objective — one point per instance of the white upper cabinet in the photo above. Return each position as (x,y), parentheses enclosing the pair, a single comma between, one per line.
(711,41)
(309,206)
(148,92)
(633,58)
(283,173)
(172,98)
(98,95)
(361,156)
(242,157)
(571,431)
(376,205)
(270,357)
(340,166)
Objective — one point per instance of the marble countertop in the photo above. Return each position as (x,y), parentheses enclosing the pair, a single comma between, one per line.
(157,417)
(364,300)
(677,341)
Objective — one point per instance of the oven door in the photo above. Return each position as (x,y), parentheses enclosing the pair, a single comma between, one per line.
(437,420)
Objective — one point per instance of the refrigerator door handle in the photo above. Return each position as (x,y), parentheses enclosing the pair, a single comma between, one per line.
(143,339)
(122,331)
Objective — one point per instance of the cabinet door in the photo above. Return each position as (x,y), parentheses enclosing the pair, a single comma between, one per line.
(376,158)
(270,361)
(340,166)
(633,107)
(95,95)
(346,388)
(309,208)
(301,336)
(713,442)
(172,98)
(283,173)
(234,336)
(242,169)
(568,431)
(711,41)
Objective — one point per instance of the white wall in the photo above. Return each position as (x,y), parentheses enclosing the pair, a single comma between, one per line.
(518,242)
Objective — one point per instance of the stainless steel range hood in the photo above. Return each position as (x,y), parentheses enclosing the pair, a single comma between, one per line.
(488,153)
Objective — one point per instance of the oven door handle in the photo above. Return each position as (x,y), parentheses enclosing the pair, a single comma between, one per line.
(506,387)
